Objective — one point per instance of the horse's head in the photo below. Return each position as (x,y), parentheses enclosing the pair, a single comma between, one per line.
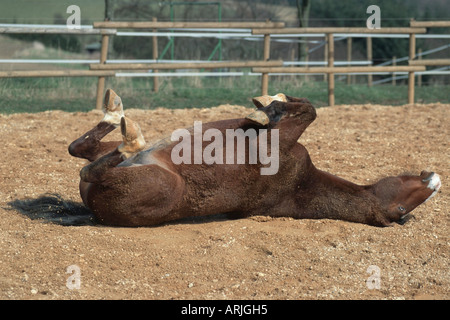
(400,195)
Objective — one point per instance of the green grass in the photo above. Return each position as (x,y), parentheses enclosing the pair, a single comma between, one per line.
(46,11)
(79,94)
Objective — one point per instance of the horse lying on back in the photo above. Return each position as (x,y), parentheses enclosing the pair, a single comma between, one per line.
(195,175)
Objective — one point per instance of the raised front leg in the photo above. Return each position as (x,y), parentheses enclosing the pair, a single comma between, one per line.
(89,145)
(133,142)
(288,114)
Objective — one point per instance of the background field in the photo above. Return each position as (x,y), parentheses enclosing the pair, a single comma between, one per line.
(46,11)
(79,94)
(35,95)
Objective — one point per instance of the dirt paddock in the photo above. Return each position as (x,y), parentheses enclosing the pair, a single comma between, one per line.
(216,258)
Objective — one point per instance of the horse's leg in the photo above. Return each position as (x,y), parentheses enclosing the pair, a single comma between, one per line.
(290,115)
(132,143)
(89,145)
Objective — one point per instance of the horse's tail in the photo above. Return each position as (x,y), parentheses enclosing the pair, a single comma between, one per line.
(53,208)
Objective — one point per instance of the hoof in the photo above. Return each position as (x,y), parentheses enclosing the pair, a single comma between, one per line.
(258,117)
(112,108)
(264,101)
(133,140)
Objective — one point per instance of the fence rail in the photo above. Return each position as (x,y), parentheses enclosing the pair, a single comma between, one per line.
(429,24)
(52,29)
(338,30)
(186,65)
(332,70)
(183,25)
(56,73)
(430,62)
(264,31)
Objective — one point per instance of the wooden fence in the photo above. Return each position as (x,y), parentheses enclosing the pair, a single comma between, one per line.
(155,25)
(264,67)
(331,70)
(429,62)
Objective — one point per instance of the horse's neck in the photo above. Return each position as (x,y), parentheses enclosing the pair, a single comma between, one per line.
(335,183)
(332,197)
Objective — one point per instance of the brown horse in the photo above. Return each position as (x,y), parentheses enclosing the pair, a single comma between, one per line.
(125,185)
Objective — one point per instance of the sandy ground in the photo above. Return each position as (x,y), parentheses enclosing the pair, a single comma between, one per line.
(216,258)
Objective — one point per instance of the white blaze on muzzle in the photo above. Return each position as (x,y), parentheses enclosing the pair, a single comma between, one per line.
(434,184)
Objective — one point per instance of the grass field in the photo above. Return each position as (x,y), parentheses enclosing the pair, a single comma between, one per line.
(79,94)
(46,11)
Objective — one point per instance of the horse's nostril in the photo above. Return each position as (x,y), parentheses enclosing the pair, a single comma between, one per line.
(429,177)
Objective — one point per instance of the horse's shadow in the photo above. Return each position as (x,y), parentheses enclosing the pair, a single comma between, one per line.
(53,208)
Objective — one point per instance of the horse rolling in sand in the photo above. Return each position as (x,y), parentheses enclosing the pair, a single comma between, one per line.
(127,185)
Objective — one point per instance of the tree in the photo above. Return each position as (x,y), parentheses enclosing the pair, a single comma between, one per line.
(303,8)
(109,11)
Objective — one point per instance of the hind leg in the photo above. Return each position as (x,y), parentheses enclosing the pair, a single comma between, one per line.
(89,145)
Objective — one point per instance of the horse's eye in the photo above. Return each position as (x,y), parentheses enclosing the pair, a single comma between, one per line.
(401,208)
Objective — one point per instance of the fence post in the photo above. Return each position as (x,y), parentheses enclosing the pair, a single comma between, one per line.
(412,49)
(349,58)
(394,63)
(330,40)
(265,76)
(307,61)
(101,80)
(325,54)
(369,58)
(155,57)
(419,76)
